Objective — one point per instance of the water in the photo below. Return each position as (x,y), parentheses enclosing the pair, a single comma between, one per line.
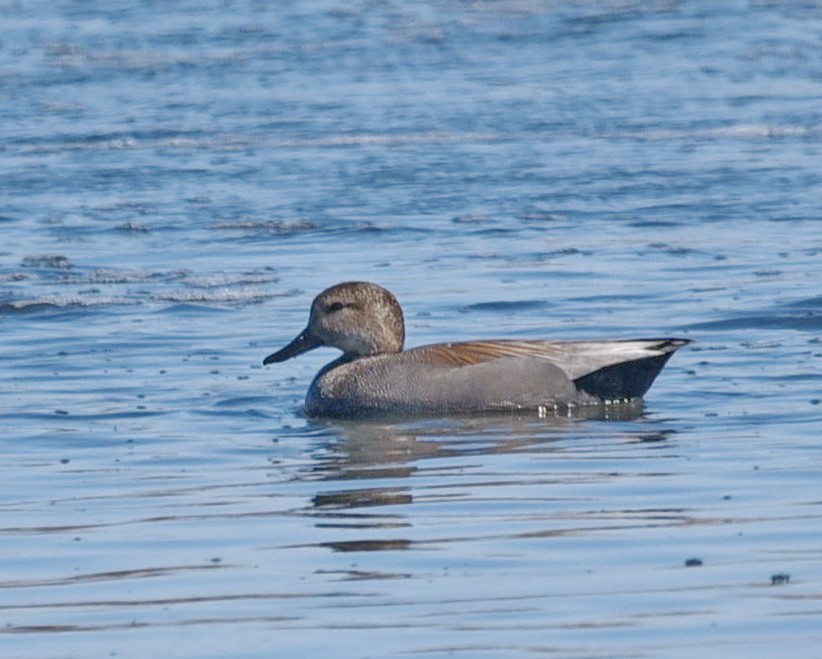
(178,181)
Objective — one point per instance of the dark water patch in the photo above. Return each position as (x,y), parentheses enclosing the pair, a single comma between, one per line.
(115,575)
(562,274)
(14,276)
(790,377)
(99,145)
(237,414)
(490,232)
(366,497)
(540,216)
(504,306)
(473,220)
(47,261)
(244,401)
(125,206)
(349,546)
(607,299)
(156,626)
(159,602)
(68,415)
(189,309)
(806,323)
(277,227)
(132,227)
(654,224)
(671,249)
(556,253)
(37,143)
(250,229)
(806,303)
(360,575)
(761,345)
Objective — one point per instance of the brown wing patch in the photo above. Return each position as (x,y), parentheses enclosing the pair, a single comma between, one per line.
(477,352)
(576,358)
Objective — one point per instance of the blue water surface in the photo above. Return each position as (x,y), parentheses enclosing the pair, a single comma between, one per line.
(178,180)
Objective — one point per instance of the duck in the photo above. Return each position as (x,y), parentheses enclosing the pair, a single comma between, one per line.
(375,377)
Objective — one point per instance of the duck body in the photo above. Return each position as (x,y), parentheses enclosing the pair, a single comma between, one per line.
(375,377)
(486,376)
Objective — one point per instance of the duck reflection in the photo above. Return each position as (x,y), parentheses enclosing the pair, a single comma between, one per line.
(389,455)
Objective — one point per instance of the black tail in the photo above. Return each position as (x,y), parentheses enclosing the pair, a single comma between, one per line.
(626,380)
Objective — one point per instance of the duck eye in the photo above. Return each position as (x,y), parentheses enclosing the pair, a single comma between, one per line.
(334,306)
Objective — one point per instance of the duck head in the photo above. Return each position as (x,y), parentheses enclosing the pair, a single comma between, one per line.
(359,318)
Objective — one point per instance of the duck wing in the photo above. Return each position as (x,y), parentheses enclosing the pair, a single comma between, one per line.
(610,369)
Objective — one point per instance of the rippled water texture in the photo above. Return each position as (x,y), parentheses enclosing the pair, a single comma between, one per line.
(178,180)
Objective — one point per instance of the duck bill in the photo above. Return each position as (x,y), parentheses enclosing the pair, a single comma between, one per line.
(303,343)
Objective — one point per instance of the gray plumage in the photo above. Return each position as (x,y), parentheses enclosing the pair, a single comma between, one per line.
(375,377)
